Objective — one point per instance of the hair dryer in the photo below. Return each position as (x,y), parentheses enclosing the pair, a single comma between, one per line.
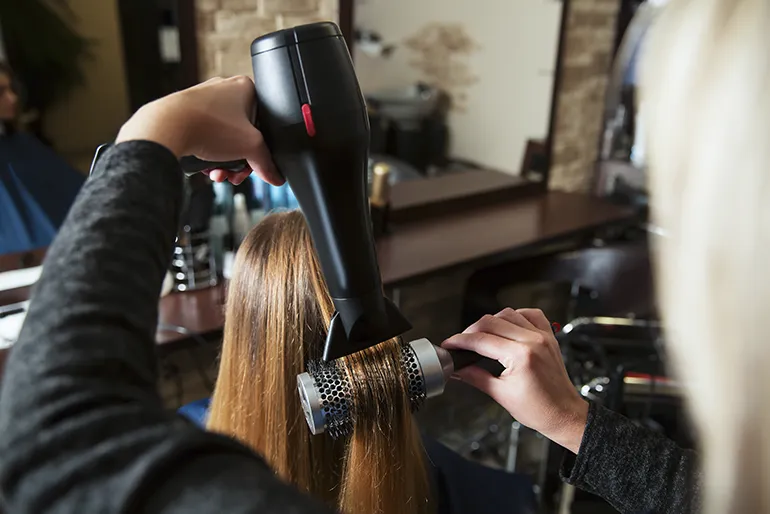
(313,117)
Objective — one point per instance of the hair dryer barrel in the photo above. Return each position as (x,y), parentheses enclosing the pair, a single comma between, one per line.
(313,117)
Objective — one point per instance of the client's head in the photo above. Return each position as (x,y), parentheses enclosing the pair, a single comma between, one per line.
(278,311)
(9,100)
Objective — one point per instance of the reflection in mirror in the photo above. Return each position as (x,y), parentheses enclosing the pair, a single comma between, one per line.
(67,90)
(37,186)
(622,159)
(100,61)
(450,85)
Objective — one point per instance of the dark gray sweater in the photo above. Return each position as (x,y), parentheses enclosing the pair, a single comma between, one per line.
(635,469)
(82,426)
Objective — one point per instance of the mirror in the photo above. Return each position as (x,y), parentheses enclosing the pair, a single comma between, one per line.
(450,86)
(458,84)
(37,181)
(72,91)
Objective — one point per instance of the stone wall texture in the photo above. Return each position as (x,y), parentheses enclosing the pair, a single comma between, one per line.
(226,29)
(588,48)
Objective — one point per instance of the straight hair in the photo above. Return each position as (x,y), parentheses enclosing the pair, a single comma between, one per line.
(277,314)
(706,94)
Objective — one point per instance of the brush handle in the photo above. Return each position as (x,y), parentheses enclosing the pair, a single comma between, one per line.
(464,358)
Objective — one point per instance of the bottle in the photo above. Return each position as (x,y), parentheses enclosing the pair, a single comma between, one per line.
(241,218)
(379,198)
(380,195)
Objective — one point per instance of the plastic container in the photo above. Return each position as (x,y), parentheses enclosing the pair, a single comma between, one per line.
(408,105)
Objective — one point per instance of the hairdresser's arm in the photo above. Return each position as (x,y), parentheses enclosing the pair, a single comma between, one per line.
(82,426)
(634,469)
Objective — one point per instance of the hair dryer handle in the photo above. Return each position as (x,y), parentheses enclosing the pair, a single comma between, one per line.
(192,165)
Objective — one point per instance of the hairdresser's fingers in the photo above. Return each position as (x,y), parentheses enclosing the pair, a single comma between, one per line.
(217,175)
(504,328)
(492,346)
(482,380)
(258,156)
(537,318)
(515,317)
(236,177)
(254,149)
(535,321)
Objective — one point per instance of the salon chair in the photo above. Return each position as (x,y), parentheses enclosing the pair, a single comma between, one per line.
(608,279)
(618,363)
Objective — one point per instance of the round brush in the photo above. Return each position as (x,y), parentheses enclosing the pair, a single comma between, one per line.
(324,389)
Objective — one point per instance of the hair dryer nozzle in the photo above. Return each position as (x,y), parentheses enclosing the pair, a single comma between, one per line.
(360,323)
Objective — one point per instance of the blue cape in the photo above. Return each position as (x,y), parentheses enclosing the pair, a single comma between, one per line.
(37,188)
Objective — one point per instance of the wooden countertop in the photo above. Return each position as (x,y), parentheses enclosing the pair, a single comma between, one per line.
(194,312)
(478,236)
(417,199)
(436,244)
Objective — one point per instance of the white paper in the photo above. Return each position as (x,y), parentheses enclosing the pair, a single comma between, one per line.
(170,46)
(10,326)
(228,264)
(19,278)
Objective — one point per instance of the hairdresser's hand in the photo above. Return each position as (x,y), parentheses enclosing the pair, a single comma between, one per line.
(534,387)
(212,121)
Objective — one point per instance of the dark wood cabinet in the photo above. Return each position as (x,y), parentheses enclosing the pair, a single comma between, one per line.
(151,70)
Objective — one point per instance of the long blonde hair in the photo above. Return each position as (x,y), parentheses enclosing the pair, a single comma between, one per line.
(278,311)
(706,93)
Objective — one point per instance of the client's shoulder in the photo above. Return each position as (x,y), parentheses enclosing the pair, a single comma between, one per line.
(463,486)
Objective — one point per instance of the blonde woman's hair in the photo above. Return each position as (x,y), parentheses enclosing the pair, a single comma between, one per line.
(278,311)
(706,94)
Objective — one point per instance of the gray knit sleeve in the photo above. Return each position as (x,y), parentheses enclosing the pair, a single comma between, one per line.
(82,426)
(633,468)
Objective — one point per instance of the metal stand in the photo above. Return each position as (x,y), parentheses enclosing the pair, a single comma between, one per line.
(194,266)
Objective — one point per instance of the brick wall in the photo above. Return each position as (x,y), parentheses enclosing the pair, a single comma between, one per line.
(226,29)
(590,35)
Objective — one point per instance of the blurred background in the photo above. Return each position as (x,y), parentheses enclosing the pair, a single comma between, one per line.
(507,169)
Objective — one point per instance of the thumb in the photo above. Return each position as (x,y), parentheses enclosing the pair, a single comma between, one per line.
(481,379)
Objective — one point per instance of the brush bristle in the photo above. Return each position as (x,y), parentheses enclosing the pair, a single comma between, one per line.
(334,390)
(416,384)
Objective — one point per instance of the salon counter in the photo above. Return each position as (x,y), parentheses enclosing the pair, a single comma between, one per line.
(413,251)
(489,235)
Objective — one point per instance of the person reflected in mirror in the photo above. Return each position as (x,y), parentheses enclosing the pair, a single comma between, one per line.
(9,101)
(37,186)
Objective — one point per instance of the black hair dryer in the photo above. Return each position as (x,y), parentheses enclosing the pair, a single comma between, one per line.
(314,120)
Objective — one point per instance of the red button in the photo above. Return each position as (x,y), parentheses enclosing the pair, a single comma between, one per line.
(309,123)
